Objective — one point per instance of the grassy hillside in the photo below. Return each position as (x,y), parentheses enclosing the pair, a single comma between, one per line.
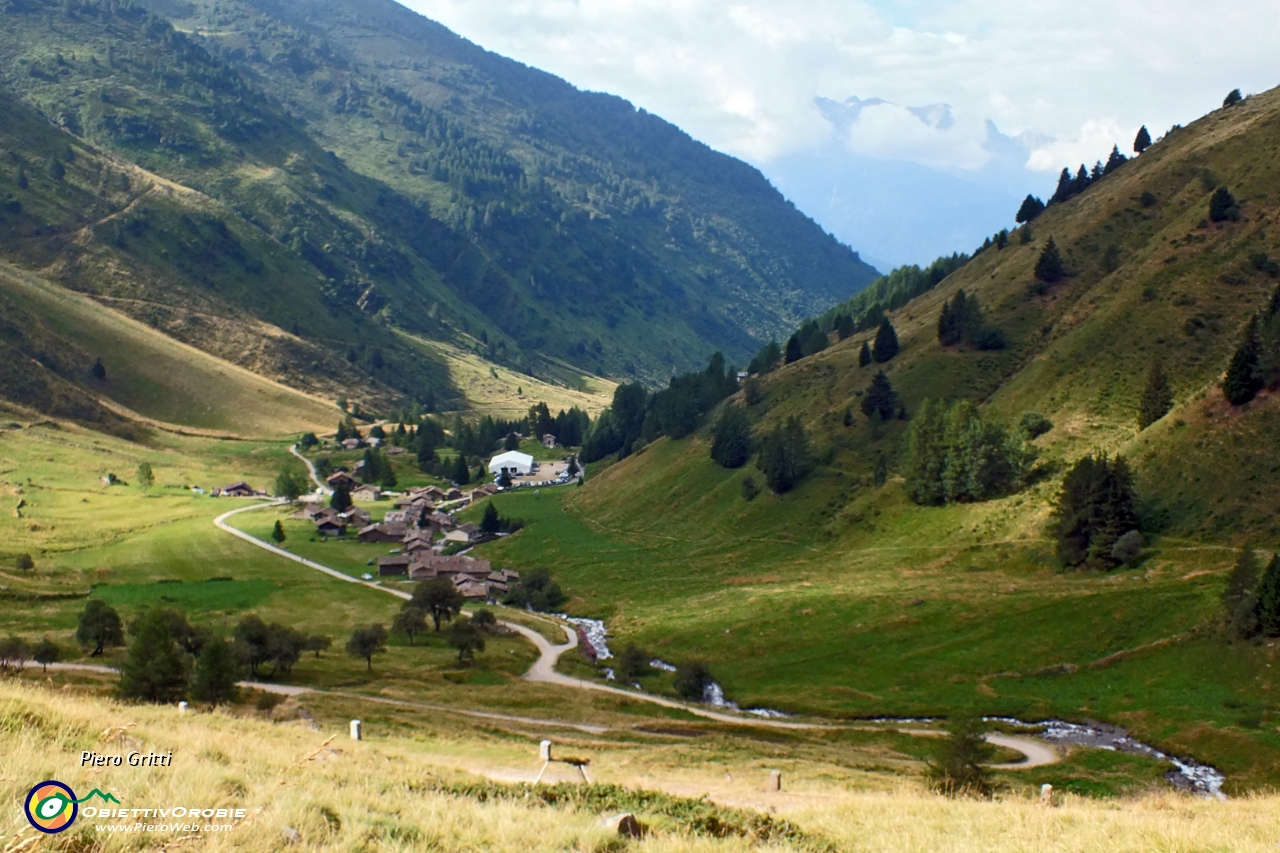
(846,598)
(147,372)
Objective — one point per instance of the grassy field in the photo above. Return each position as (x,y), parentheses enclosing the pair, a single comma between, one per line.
(907,611)
(420,782)
(159,378)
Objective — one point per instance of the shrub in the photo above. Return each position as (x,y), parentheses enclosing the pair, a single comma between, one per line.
(749,489)
(1128,548)
(959,768)
(1033,425)
(633,663)
(1148,198)
(692,679)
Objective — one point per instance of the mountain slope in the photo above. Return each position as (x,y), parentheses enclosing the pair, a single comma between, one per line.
(843,596)
(491,205)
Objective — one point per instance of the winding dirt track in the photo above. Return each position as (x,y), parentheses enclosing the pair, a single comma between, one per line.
(543,670)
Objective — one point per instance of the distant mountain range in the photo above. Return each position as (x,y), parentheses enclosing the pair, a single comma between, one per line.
(901,211)
(352,178)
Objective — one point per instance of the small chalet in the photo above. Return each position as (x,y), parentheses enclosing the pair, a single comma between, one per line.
(308,512)
(456,565)
(342,478)
(549,441)
(453,494)
(333,526)
(367,492)
(393,566)
(456,537)
(239,489)
(383,533)
(357,517)
(420,571)
(474,590)
(352,443)
(433,493)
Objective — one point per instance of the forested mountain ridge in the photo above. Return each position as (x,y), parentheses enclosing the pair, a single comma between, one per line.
(343,202)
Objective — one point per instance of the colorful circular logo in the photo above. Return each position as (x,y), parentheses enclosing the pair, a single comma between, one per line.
(51,807)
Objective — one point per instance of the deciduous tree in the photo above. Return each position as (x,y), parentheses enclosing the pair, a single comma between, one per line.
(99,627)
(367,642)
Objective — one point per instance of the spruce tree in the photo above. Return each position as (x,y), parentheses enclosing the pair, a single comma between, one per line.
(886,345)
(216,672)
(793,352)
(426,454)
(490,523)
(880,398)
(785,457)
(1242,381)
(1223,206)
(1142,141)
(1114,161)
(461,473)
(1233,97)
(731,438)
(844,326)
(1268,606)
(1049,267)
(1157,397)
(1240,598)
(99,370)
(1081,181)
(864,355)
(341,499)
(1030,209)
(1063,191)
(277,533)
(154,669)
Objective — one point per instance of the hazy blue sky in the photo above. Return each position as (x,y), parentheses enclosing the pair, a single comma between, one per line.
(1064,80)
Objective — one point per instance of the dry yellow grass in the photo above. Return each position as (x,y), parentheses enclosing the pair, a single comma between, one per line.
(510,395)
(342,795)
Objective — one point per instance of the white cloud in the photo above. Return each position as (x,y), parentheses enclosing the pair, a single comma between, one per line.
(742,76)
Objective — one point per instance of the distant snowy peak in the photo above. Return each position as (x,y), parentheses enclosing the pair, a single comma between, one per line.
(844,113)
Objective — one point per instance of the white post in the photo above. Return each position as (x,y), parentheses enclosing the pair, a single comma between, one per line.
(356,731)
(544,750)
(775,780)
(1046,794)
(182,707)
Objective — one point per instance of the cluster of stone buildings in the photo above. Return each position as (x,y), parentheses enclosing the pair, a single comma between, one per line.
(421,533)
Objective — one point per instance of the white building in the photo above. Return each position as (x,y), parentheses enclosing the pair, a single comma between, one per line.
(513,462)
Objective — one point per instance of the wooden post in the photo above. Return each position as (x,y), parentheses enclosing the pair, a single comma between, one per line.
(356,730)
(775,780)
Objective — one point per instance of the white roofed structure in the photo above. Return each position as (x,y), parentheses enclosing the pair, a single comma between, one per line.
(513,462)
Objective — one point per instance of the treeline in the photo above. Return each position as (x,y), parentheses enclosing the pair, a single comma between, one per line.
(1070,186)
(169,659)
(954,455)
(637,417)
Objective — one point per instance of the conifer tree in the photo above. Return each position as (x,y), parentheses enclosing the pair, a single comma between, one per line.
(1081,181)
(491,523)
(1242,381)
(1233,97)
(793,352)
(1157,397)
(99,370)
(880,398)
(1240,598)
(1114,161)
(1063,191)
(1142,141)
(277,533)
(785,457)
(341,498)
(1268,607)
(731,438)
(214,679)
(844,326)
(461,473)
(886,345)
(1049,266)
(1030,209)
(154,669)
(1223,206)
(864,355)
(1095,508)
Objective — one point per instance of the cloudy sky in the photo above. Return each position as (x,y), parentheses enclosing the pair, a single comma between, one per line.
(1068,79)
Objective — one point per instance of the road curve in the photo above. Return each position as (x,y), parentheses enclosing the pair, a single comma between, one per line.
(311,470)
(544,671)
